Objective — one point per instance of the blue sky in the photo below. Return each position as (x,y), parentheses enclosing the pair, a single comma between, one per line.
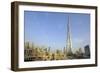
(50,28)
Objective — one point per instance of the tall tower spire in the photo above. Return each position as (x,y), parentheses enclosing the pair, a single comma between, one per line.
(69,40)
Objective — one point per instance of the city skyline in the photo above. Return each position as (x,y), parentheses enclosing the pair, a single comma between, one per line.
(50,28)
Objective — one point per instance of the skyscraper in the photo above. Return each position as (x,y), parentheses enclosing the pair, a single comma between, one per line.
(69,40)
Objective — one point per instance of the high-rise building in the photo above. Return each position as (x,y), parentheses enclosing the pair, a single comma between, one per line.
(69,40)
(87,51)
